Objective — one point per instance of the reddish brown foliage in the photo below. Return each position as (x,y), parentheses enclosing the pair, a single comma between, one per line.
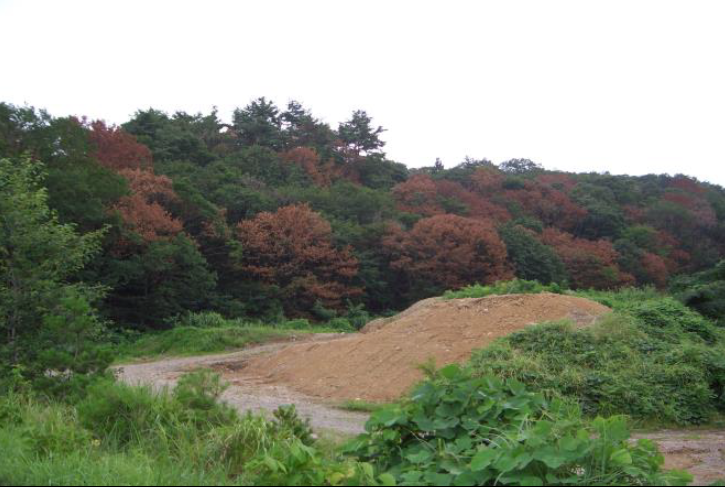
(309,161)
(143,210)
(589,264)
(293,249)
(487,181)
(449,251)
(418,195)
(424,196)
(116,149)
(656,269)
(559,181)
(553,207)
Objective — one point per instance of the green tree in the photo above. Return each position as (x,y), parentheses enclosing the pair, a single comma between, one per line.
(38,258)
(360,136)
(259,123)
(532,260)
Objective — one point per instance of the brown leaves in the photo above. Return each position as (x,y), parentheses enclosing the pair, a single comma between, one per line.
(449,251)
(292,248)
(143,210)
(116,149)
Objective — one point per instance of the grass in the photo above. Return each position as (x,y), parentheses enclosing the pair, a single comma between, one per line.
(189,341)
(123,435)
(361,406)
(209,333)
(517,286)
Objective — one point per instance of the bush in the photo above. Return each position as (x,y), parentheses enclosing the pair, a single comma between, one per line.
(653,359)
(479,431)
(517,286)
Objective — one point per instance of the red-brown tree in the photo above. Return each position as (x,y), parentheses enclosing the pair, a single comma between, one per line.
(309,161)
(116,149)
(143,211)
(590,264)
(293,250)
(449,251)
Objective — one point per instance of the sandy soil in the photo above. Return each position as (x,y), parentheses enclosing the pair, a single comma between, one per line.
(382,364)
(248,393)
(702,453)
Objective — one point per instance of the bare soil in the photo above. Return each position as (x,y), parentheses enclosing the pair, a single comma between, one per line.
(247,393)
(383,363)
(702,453)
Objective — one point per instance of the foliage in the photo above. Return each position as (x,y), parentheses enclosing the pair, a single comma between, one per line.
(503,288)
(134,436)
(704,292)
(531,259)
(460,430)
(653,360)
(292,249)
(45,321)
(445,252)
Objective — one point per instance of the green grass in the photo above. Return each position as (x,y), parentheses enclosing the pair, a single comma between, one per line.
(189,341)
(361,406)
(517,286)
(209,333)
(123,435)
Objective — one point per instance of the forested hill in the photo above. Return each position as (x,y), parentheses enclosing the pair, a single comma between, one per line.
(279,213)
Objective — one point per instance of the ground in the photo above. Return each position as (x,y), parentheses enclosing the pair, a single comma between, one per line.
(701,452)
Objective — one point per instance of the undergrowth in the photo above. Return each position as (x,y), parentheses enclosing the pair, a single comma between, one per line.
(516,286)
(123,435)
(206,333)
(462,430)
(652,359)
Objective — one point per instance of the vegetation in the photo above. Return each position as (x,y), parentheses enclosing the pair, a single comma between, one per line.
(122,435)
(653,359)
(277,213)
(502,288)
(181,234)
(461,430)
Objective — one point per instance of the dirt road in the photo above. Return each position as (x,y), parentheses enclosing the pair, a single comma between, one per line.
(248,393)
(700,452)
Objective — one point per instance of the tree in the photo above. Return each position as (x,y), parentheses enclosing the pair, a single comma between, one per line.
(359,136)
(531,259)
(447,252)
(292,250)
(259,123)
(590,265)
(38,257)
(116,149)
(143,210)
(520,166)
(164,279)
(308,160)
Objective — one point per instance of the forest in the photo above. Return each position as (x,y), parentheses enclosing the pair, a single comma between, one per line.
(280,215)
(185,234)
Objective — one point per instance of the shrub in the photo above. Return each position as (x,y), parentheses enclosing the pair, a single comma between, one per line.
(649,360)
(203,320)
(478,431)
(123,414)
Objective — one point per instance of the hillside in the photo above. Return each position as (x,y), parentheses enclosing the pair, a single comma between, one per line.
(279,213)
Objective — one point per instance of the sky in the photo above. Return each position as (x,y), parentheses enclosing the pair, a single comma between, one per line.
(633,86)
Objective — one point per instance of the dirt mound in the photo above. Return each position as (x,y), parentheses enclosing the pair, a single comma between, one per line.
(382,364)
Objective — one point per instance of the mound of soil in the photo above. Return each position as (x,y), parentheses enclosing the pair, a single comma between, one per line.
(382,364)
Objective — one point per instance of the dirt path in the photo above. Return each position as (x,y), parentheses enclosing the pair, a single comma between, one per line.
(249,393)
(702,453)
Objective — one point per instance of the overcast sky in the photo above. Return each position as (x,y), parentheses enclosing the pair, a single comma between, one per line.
(633,86)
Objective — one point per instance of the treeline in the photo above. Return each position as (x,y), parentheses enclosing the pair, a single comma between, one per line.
(277,213)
